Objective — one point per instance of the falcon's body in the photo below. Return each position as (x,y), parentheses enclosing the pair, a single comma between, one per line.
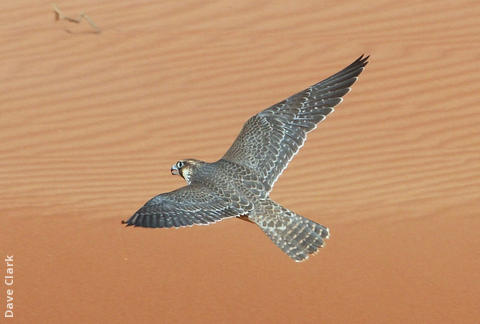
(240,182)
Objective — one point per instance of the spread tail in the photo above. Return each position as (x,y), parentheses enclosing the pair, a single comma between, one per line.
(296,235)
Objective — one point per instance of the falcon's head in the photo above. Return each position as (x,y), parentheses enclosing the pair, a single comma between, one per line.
(185,168)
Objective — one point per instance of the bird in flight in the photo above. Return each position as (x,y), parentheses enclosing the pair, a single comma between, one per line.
(239,184)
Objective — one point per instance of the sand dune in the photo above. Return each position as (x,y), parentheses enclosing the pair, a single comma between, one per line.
(90,124)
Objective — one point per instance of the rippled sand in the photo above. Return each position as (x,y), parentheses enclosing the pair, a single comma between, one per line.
(90,124)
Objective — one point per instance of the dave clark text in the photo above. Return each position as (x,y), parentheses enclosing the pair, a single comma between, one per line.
(9,286)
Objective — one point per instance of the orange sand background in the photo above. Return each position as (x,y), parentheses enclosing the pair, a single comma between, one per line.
(91,123)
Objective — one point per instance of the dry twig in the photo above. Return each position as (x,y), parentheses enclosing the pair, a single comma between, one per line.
(60,16)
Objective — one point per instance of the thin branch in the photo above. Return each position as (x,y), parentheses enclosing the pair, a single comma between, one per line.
(60,16)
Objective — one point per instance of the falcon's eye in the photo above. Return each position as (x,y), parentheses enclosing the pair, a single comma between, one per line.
(180,164)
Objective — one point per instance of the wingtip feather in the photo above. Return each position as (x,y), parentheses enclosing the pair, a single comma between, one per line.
(126,223)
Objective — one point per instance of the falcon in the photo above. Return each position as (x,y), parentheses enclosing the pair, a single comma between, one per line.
(239,184)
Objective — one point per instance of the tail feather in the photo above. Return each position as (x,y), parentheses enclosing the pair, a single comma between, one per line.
(295,235)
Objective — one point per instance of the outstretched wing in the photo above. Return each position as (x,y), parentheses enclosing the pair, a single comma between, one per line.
(186,206)
(270,139)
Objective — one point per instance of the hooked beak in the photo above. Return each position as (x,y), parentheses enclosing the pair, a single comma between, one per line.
(174,170)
